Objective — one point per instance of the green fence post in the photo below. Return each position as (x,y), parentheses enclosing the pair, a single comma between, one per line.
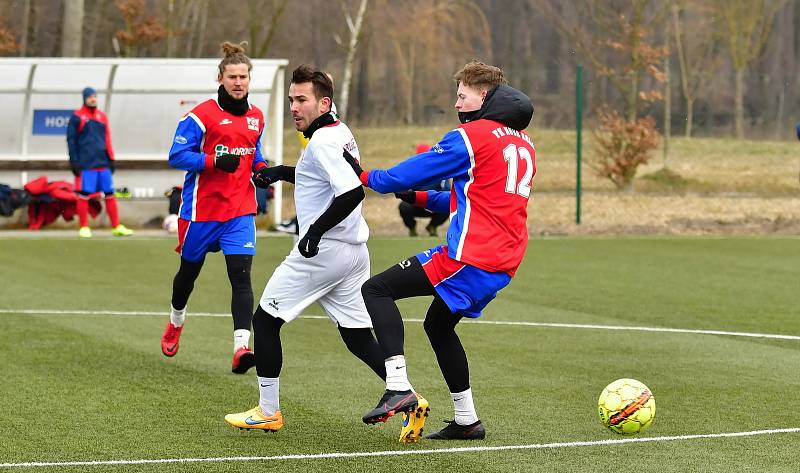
(578,140)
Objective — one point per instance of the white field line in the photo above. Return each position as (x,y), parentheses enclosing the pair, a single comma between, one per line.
(391,453)
(467,322)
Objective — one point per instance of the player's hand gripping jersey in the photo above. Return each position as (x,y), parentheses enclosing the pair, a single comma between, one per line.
(208,131)
(492,164)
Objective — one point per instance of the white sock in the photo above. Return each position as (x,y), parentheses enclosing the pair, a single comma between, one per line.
(177,317)
(396,377)
(241,339)
(268,395)
(465,409)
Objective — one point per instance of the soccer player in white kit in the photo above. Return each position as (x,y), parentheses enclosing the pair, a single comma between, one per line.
(330,262)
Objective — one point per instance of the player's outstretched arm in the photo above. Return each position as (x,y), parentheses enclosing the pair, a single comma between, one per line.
(340,208)
(449,158)
(266,176)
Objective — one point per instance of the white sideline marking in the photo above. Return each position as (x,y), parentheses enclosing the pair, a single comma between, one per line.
(389,453)
(481,322)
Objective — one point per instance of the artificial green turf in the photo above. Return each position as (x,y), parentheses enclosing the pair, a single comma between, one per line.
(96,387)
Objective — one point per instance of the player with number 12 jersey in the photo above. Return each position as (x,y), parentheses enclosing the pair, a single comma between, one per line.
(492,165)
(492,162)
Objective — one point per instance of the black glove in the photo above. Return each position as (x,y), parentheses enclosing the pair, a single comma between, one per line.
(265,177)
(112,166)
(353,162)
(227,162)
(309,244)
(407,196)
(76,169)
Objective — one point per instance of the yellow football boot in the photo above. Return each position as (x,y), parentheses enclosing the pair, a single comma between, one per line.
(121,230)
(414,421)
(254,419)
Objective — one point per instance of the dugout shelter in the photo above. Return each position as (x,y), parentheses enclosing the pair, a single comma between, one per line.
(144,100)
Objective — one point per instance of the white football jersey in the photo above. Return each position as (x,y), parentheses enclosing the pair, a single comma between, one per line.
(321,175)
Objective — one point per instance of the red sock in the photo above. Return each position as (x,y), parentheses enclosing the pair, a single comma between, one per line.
(82,207)
(113,213)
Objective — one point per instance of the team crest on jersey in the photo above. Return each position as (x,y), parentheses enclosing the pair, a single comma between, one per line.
(252,123)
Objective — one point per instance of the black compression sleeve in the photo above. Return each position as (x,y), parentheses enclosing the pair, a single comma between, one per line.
(340,208)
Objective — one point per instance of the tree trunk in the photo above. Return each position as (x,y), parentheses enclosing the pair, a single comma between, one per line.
(71,37)
(410,91)
(779,118)
(667,101)
(362,83)
(201,36)
(23,40)
(91,33)
(170,27)
(684,69)
(194,18)
(352,47)
(632,102)
(739,117)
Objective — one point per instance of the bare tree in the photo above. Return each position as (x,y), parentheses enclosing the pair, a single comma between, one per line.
(191,21)
(667,94)
(262,42)
(444,32)
(695,52)
(201,28)
(23,34)
(354,28)
(96,21)
(173,12)
(617,44)
(746,27)
(72,31)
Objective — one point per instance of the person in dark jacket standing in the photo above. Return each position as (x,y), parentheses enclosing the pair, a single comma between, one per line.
(91,158)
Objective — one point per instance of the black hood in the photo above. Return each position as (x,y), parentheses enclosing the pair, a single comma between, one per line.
(503,104)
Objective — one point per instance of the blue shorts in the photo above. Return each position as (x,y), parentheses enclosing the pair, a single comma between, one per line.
(236,236)
(97,180)
(466,290)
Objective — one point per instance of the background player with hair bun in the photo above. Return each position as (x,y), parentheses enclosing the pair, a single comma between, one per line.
(218,144)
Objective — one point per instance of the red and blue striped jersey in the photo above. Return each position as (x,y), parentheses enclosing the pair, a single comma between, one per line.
(210,194)
(492,167)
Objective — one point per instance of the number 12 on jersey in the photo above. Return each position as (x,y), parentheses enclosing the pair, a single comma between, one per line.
(512,155)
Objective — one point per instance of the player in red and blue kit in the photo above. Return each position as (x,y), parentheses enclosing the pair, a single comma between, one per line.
(91,158)
(492,162)
(218,144)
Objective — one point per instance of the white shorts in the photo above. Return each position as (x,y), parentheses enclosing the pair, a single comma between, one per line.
(333,278)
